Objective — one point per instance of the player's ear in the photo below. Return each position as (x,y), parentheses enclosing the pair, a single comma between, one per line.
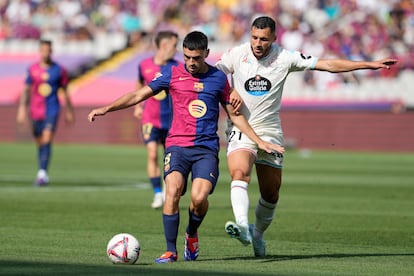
(207,53)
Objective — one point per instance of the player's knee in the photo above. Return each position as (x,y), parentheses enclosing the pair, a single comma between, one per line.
(271,197)
(199,203)
(238,174)
(174,192)
(46,139)
(152,155)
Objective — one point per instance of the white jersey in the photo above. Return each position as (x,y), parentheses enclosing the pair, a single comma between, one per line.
(260,82)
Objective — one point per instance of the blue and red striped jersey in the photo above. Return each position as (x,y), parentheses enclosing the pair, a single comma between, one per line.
(195,104)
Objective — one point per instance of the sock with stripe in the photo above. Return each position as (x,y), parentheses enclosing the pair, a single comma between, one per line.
(240,201)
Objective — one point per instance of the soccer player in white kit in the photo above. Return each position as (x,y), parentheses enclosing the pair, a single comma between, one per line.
(259,70)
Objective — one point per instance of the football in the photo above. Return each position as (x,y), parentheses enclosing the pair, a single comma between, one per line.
(123,248)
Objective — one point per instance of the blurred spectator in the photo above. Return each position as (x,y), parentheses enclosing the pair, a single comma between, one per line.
(355,29)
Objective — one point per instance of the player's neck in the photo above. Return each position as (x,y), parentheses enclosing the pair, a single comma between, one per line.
(159,59)
(204,69)
(46,63)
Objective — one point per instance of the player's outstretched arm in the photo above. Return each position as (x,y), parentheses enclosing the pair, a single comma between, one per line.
(122,102)
(241,123)
(343,65)
(139,107)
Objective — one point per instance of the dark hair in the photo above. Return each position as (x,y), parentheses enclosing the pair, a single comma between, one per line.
(264,22)
(45,42)
(195,41)
(164,34)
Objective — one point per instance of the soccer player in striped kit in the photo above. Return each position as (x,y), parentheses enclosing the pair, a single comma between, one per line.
(155,112)
(40,101)
(192,145)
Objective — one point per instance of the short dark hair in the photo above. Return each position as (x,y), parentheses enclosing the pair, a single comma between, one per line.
(164,34)
(45,42)
(195,41)
(264,22)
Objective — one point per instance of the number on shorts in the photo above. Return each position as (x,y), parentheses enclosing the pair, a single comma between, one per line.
(233,133)
(146,130)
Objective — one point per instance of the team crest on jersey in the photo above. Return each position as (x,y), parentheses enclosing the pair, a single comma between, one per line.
(198,86)
(197,108)
(257,86)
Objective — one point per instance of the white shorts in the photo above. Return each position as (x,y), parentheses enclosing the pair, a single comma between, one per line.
(238,141)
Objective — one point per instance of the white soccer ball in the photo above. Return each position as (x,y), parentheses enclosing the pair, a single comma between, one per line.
(123,248)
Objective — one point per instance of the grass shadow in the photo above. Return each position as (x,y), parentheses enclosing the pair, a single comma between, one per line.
(8,268)
(278,258)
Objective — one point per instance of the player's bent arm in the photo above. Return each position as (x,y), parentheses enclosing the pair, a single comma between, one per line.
(23,104)
(235,100)
(125,101)
(70,114)
(241,123)
(343,65)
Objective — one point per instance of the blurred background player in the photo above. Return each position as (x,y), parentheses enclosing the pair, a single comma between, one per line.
(197,89)
(155,112)
(259,70)
(40,101)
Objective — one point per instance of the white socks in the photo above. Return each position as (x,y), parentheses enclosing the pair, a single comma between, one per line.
(240,202)
(264,216)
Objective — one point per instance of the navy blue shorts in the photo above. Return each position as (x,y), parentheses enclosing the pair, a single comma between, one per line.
(154,134)
(49,122)
(200,161)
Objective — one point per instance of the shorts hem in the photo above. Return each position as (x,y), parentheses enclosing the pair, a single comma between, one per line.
(269,164)
(243,149)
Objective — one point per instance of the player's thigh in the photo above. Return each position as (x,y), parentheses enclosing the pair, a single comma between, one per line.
(204,171)
(240,163)
(177,160)
(241,154)
(270,181)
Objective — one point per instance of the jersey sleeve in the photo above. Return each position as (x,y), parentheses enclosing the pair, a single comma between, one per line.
(225,63)
(64,77)
(28,78)
(225,96)
(140,76)
(300,61)
(161,82)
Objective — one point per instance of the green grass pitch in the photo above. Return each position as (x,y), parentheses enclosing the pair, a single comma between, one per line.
(340,213)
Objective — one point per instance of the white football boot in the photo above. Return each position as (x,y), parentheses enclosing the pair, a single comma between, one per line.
(238,232)
(158,200)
